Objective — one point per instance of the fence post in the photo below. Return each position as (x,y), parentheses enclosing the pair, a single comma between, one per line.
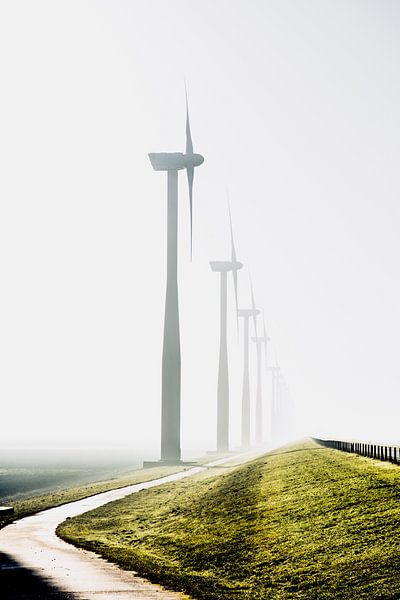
(376,451)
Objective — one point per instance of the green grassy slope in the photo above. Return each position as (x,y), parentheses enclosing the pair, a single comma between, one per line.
(30,505)
(303,522)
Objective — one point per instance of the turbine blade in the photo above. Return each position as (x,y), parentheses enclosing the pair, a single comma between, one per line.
(254,308)
(235,285)
(233,250)
(190,172)
(234,270)
(189,143)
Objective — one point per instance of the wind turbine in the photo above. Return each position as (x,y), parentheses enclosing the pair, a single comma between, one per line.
(260,341)
(223,267)
(173,162)
(275,372)
(281,401)
(246,313)
(266,341)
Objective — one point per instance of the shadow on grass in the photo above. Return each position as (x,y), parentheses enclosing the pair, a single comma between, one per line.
(240,493)
(18,583)
(206,551)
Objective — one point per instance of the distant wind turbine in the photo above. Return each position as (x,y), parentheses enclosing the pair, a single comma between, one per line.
(171,359)
(275,372)
(266,341)
(246,313)
(223,267)
(260,341)
(281,392)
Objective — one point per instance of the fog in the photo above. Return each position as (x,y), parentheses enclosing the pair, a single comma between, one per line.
(295,107)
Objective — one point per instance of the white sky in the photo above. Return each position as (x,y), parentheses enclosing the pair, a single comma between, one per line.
(295,106)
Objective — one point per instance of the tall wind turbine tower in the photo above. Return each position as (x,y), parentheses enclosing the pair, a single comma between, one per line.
(246,313)
(223,267)
(171,358)
(260,341)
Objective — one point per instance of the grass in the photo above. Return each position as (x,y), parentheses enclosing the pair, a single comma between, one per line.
(27,506)
(19,482)
(304,522)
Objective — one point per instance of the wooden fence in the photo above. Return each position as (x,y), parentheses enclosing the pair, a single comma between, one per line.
(377,451)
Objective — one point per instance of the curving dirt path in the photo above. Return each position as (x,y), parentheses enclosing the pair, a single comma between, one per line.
(31,548)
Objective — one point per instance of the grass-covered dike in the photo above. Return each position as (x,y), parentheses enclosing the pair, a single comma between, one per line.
(302,522)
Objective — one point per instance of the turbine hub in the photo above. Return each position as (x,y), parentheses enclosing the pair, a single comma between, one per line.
(225,265)
(221,265)
(248,312)
(174,161)
(194,160)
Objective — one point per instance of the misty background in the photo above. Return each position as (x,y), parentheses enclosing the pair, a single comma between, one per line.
(295,107)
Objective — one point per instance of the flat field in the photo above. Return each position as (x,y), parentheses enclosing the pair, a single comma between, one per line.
(29,502)
(18,482)
(303,522)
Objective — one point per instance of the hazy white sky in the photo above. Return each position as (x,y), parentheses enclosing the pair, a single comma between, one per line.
(295,106)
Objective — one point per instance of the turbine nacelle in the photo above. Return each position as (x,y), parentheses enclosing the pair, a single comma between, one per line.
(225,265)
(174,161)
(248,312)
